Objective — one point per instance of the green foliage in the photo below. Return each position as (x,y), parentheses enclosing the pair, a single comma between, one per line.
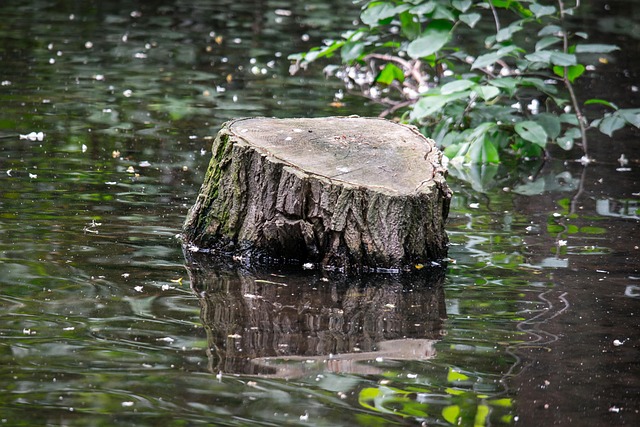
(466,74)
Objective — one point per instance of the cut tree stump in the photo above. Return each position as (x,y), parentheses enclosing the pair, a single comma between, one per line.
(348,193)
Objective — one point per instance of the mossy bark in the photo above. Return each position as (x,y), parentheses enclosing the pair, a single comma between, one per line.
(258,201)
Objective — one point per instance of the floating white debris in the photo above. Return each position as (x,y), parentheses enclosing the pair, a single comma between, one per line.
(127,404)
(304,417)
(138,288)
(84,148)
(33,136)
(33,175)
(288,138)
(125,275)
(69,328)
(234,336)
(130,169)
(144,164)
(166,339)
(127,93)
(166,287)
(307,266)
(474,205)
(562,243)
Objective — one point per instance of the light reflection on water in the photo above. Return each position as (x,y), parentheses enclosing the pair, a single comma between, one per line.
(98,321)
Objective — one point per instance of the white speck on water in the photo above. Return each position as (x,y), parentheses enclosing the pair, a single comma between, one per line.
(88,44)
(33,136)
(127,93)
(305,37)
(235,98)
(144,164)
(474,205)
(288,138)
(166,339)
(6,83)
(412,376)
(138,288)
(237,40)
(140,55)
(100,77)
(562,243)
(52,60)
(234,336)
(69,328)
(379,359)
(557,215)
(614,409)
(127,404)
(307,266)
(33,175)
(166,287)
(84,148)
(125,275)
(304,417)
(125,38)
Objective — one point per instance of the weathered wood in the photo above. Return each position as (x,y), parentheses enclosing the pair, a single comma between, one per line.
(345,192)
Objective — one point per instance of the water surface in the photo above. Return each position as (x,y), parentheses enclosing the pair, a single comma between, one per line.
(533,322)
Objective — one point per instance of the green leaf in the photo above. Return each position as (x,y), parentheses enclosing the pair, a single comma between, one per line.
(550,123)
(429,105)
(507,33)
(451,414)
(593,101)
(487,92)
(550,30)
(552,57)
(432,39)
(631,116)
(508,84)
(471,19)
(532,132)
(569,118)
(423,8)
(351,51)
(566,141)
(610,124)
(563,59)
(461,5)
(389,73)
(546,42)
(596,48)
(488,59)
(540,10)
(409,25)
(456,86)
(380,10)
(573,72)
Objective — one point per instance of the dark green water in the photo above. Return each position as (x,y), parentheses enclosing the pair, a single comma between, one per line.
(536,322)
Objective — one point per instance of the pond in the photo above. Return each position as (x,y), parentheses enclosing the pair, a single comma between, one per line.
(109,110)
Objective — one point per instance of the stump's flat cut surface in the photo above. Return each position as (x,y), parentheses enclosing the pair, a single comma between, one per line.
(346,192)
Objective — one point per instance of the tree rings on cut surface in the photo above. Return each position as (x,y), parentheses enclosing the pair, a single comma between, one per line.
(348,193)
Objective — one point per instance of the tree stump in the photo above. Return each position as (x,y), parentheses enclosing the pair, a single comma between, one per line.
(348,193)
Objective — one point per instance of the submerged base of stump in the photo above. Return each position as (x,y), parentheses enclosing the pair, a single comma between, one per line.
(346,193)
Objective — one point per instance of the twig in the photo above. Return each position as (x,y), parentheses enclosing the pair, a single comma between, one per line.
(411,68)
(567,83)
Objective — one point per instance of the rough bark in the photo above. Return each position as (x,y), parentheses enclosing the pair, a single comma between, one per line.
(348,193)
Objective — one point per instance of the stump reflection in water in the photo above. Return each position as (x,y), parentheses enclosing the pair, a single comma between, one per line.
(296,324)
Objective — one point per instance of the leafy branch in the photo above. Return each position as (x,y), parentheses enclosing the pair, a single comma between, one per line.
(480,96)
